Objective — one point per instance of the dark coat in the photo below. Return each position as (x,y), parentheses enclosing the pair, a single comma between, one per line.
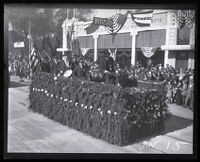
(46,67)
(79,72)
(110,65)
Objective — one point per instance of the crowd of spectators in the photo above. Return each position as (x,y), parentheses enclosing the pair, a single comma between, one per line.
(19,66)
(179,82)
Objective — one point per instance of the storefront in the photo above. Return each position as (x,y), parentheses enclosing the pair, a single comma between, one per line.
(163,41)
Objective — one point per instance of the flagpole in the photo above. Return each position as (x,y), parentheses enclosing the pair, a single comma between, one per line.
(29,40)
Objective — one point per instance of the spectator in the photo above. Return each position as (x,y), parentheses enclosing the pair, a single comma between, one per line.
(184,91)
(189,95)
(169,92)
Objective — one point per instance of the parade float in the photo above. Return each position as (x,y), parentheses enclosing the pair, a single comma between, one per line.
(112,113)
(116,114)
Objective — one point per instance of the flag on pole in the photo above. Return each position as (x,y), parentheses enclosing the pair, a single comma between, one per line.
(142,17)
(35,60)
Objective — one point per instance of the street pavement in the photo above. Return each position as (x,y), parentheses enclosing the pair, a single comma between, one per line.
(31,132)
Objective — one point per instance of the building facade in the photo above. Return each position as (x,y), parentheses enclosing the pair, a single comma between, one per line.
(174,46)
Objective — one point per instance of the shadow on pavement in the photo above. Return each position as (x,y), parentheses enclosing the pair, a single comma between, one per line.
(13,84)
(172,123)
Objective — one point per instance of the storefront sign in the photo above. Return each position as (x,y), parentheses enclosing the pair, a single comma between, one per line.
(102,21)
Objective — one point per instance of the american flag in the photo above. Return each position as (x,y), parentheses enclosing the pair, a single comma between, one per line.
(35,60)
(118,22)
(91,28)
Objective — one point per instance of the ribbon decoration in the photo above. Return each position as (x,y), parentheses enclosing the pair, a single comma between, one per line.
(148,51)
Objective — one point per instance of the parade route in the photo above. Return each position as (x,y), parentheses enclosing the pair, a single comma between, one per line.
(30,132)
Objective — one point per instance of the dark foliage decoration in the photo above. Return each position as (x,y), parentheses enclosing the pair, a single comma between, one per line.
(111,113)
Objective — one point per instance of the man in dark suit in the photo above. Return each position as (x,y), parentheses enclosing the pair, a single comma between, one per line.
(110,70)
(79,71)
(45,66)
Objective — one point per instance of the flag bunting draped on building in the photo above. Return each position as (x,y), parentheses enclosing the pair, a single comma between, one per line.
(185,17)
(116,22)
(148,51)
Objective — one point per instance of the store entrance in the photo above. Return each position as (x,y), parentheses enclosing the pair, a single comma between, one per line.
(157,58)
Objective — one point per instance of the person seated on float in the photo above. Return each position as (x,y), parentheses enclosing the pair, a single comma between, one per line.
(79,71)
(54,66)
(45,66)
(110,70)
(63,65)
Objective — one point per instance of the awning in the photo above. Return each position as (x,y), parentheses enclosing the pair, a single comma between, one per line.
(177,47)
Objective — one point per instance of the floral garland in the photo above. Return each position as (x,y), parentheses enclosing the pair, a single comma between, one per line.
(111,113)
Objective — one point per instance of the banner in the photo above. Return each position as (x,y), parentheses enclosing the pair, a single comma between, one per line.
(148,51)
(102,21)
(142,17)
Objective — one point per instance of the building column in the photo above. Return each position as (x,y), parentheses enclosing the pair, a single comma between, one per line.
(191,60)
(95,36)
(166,60)
(133,51)
(64,37)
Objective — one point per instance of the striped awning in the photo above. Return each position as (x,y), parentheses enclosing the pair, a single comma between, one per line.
(177,47)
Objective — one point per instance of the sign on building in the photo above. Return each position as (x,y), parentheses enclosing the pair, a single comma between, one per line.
(19,44)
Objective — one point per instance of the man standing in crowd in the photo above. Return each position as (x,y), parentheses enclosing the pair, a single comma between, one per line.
(110,70)
(79,70)
(189,95)
(45,66)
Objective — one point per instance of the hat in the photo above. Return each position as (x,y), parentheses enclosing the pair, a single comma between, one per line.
(191,77)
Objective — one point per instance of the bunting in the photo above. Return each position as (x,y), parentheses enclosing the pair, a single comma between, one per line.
(185,17)
(116,22)
(148,51)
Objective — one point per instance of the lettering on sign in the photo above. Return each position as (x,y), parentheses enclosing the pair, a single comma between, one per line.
(102,21)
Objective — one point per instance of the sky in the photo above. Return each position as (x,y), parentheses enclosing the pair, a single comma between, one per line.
(106,12)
